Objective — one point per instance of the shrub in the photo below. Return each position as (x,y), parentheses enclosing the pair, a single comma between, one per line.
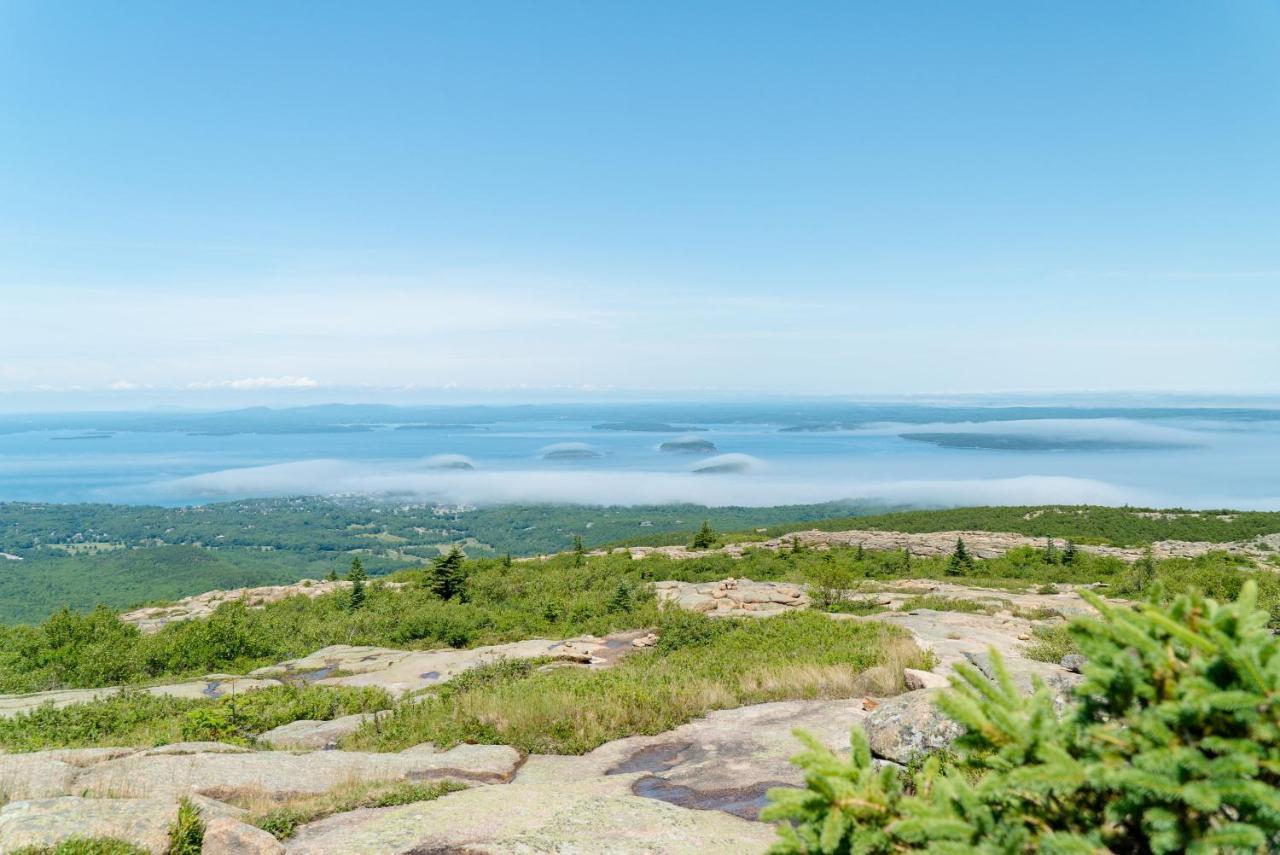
(1172,745)
(679,629)
(186,835)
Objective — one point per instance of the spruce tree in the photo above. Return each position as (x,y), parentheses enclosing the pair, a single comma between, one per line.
(705,538)
(620,600)
(447,576)
(579,551)
(961,562)
(858,552)
(331,576)
(1171,745)
(356,576)
(1069,554)
(1050,552)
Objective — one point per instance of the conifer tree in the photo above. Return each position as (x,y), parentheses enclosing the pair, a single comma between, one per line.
(447,577)
(1050,551)
(1070,553)
(620,600)
(961,562)
(1172,745)
(705,538)
(579,551)
(356,576)
(331,576)
(858,552)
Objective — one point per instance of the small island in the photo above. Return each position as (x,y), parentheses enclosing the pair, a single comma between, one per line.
(688,445)
(570,451)
(646,427)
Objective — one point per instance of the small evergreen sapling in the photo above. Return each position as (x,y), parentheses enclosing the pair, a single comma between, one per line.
(961,562)
(1069,554)
(356,576)
(705,538)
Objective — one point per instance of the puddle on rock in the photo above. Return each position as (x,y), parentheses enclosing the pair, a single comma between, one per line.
(745,802)
(655,758)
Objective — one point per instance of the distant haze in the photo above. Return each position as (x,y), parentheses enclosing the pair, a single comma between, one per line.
(767,453)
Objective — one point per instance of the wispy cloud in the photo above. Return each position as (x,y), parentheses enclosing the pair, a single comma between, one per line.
(255,383)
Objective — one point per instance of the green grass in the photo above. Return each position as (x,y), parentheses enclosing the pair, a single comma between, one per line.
(85,846)
(855,606)
(1052,642)
(282,820)
(939,603)
(136,718)
(702,664)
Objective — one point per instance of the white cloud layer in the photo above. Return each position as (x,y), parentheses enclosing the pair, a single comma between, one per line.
(629,487)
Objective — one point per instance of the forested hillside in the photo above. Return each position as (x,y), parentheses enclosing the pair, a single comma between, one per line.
(121,556)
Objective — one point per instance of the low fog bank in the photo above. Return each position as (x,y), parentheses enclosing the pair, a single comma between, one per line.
(762,487)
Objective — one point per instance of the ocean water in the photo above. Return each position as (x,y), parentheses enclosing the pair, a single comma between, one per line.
(1196,458)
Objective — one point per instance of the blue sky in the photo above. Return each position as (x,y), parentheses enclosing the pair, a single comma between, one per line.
(817,198)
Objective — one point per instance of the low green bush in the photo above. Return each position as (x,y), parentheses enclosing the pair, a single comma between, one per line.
(1172,745)
(136,717)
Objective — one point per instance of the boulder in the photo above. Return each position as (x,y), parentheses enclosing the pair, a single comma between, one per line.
(1073,662)
(915,679)
(308,735)
(903,727)
(732,597)
(226,836)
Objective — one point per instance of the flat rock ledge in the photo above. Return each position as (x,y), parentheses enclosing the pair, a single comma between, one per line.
(143,822)
(221,772)
(599,815)
(153,618)
(733,597)
(981,544)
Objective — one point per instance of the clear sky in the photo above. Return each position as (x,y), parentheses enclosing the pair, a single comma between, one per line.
(827,198)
